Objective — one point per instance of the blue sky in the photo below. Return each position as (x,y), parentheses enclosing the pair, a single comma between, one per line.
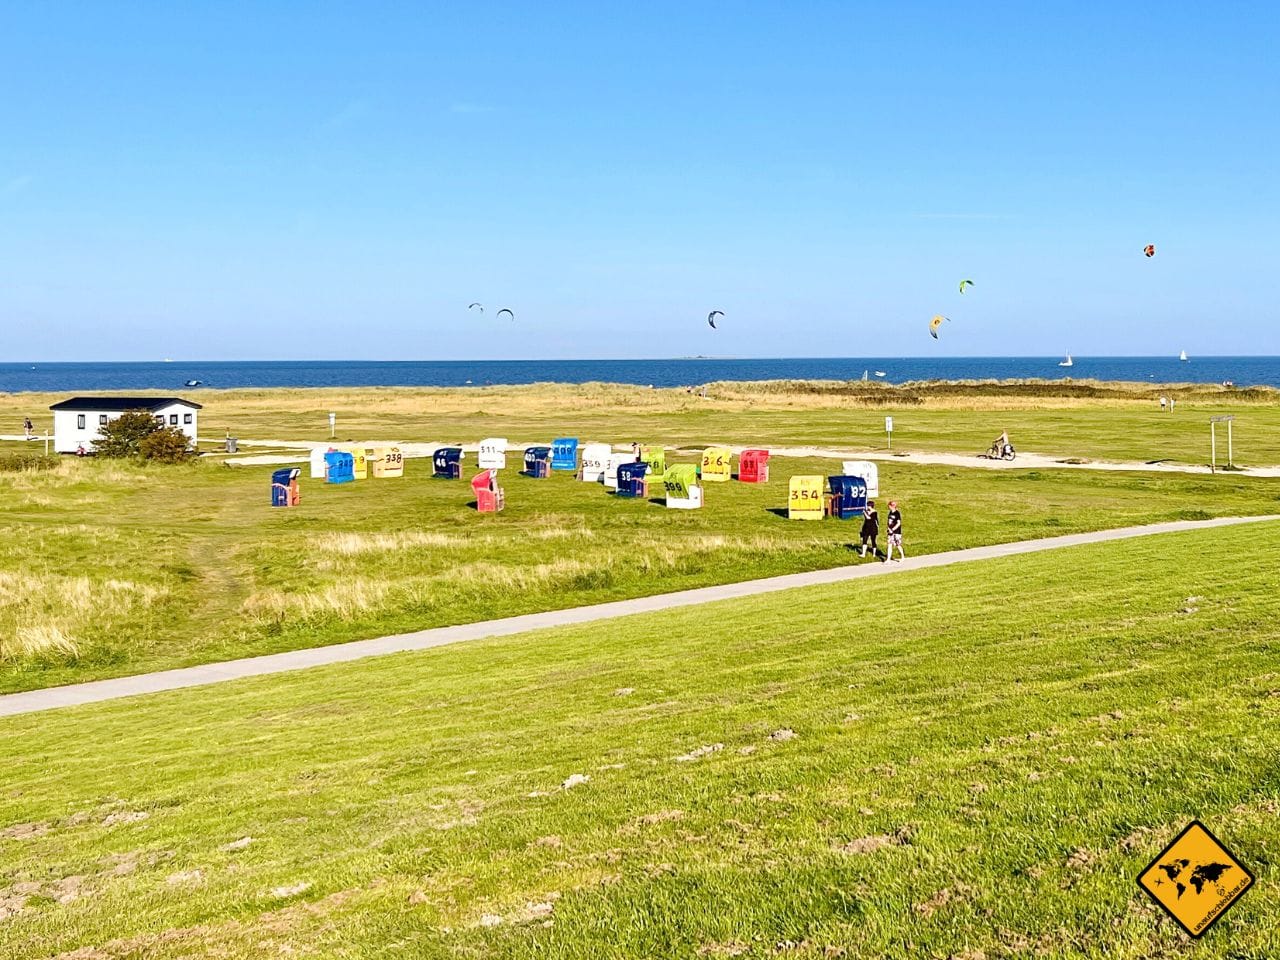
(261,181)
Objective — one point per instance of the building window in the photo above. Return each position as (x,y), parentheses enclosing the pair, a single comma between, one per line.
(102,419)
(80,421)
(186,418)
(173,419)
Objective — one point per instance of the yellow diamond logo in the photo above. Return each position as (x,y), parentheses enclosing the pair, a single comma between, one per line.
(1196,879)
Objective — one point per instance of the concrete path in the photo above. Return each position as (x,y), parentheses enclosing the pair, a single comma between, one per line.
(99,690)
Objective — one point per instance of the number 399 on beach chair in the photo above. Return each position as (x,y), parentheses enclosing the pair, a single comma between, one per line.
(684,492)
(446,463)
(489,496)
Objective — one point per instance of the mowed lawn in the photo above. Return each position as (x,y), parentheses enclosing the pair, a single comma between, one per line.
(1124,423)
(972,762)
(109,568)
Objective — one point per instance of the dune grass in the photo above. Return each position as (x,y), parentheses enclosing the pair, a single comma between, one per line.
(960,763)
(110,568)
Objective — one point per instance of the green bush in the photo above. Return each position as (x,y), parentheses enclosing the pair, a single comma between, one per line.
(136,433)
(166,445)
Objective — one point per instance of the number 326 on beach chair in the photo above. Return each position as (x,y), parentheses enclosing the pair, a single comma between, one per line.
(717,465)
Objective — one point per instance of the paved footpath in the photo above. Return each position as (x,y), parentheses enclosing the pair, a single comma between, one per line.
(99,690)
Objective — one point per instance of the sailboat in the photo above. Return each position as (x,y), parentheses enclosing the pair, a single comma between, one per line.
(864,376)
(1067,362)
(1183,356)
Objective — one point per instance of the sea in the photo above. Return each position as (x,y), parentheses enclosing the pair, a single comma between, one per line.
(177,375)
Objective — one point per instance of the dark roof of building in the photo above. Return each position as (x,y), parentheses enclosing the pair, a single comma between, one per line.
(122,403)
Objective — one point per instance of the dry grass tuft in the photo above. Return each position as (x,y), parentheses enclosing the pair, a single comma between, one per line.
(42,615)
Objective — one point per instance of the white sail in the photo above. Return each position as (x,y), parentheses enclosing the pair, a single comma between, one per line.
(1067,362)
(1183,356)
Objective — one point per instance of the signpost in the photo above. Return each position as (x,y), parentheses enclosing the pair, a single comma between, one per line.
(333,422)
(1228,419)
(888,429)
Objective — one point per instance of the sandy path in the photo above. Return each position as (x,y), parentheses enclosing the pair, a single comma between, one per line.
(99,690)
(1025,460)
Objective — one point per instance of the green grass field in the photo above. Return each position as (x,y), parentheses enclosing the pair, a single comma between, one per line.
(970,763)
(109,568)
(1121,422)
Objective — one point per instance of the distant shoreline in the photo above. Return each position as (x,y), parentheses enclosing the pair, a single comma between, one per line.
(180,375)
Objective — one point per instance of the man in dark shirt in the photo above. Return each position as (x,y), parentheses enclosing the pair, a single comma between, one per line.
(870,529)
(895,532)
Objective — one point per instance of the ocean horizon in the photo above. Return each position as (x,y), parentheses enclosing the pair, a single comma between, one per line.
(179,375)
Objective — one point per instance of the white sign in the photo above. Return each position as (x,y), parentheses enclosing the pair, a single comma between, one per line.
(595,458)
(888,424)
(493,453)
(333,420)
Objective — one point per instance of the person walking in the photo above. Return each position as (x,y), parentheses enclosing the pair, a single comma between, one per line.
(870,529)
(895,532)
(28,427)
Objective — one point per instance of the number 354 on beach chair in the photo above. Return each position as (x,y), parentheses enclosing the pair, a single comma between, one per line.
(805,499)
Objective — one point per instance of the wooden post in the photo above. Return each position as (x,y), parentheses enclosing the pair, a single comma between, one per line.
(1213,446)
(1230,457)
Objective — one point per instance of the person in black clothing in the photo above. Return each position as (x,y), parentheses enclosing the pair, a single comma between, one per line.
(870,529)
(895,532)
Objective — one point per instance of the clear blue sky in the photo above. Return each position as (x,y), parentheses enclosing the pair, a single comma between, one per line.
(258,180)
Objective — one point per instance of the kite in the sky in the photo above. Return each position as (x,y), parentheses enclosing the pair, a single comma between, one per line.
(934,324)
(472,306)
(965,283)
(1149,249)
(507,311)
(711,318)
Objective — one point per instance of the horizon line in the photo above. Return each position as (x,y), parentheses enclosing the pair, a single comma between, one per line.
(713,359)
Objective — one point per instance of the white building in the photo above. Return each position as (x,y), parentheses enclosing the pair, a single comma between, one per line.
(76,422)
